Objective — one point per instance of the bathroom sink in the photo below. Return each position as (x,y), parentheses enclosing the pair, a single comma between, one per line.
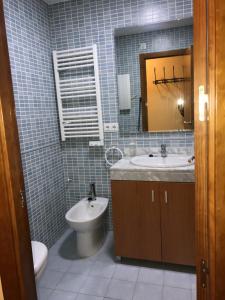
(158,162)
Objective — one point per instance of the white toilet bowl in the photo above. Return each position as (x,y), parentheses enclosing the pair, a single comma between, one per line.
(40,255)
(87,219)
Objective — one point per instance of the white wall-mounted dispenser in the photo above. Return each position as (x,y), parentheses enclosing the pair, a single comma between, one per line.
(124,91)
(78,94)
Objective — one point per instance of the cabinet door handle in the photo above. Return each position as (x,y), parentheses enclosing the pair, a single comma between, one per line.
(153,196)
(166,197)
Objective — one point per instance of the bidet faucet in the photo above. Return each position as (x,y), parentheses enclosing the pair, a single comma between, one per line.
(163,150)
(92,193)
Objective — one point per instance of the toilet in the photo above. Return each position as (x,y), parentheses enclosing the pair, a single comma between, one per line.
(87,219)
(40,255)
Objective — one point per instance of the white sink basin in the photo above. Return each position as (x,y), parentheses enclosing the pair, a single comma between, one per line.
(158,162)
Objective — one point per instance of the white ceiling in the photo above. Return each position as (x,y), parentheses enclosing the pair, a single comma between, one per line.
(54,1)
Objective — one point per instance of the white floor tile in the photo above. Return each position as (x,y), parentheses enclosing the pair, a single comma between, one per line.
(71,282)
(146,291)
(193,281)
(102,269)
(80,266)
(177,279)
(50,279)
(120,289)
(149,275)
(88,297)
(125,272)
(67,277)
(57,263)
(105,256)
(170,293)
(62,295)
(193,294)
(43,293)
(95,286)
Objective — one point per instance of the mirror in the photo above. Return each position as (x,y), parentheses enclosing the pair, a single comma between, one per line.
(155,77)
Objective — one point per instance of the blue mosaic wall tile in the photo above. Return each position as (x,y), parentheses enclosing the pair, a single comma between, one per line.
(28,36)
(45,192)
(33,31)
(82,23)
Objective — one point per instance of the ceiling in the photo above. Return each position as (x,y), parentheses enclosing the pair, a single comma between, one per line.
(54,1)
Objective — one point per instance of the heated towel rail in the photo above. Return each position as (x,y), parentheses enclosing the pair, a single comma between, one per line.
(78,94)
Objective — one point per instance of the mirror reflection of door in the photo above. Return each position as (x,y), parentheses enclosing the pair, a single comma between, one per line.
(167,92)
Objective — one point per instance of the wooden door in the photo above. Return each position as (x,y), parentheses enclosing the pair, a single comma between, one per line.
(215,204)
(201,147)
(136,219)
(209,71)
(178,223)
(17,274)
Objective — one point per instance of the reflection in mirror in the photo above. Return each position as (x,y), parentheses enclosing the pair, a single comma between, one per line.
(166,90)
(154,75)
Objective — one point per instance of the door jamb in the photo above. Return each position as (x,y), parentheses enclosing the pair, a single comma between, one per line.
(17,272)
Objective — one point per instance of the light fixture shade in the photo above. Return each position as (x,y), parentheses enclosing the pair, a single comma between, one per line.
(180,106)
(180,102)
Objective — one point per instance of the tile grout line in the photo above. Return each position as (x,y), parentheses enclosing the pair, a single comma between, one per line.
(136,283)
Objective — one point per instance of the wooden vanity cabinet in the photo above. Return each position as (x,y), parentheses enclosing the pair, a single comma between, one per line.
(136,219)
(154,221)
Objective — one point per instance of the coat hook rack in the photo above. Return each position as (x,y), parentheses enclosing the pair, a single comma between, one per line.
(174,79)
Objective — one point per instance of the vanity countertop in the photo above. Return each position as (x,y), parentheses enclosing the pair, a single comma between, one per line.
(125,170)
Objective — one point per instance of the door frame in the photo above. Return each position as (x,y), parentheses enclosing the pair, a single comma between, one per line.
(216,174)
(16,264)
(209,24)
(210,149)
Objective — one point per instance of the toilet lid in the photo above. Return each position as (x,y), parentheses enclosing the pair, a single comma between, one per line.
(40,253)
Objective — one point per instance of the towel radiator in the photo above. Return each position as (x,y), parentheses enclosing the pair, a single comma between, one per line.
(78,94)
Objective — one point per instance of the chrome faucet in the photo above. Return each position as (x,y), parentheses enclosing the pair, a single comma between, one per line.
(163,150)
(92,193)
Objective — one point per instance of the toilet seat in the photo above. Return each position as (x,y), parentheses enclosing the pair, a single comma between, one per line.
(40,254)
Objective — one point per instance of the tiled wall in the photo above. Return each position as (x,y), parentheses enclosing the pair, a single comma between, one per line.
(82,23)
(127,50)
(72,24)
(31,63)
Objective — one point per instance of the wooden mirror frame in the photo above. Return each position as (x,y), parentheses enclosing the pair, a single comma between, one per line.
(143,77)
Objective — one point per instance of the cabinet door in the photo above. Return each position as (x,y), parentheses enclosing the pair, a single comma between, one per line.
(136,219)
(178,223)
(125,218)
(149,226)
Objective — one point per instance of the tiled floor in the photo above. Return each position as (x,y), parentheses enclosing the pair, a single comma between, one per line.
(99,277)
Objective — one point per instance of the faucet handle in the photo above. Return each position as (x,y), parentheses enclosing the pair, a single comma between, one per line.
(163,150)
(92,192)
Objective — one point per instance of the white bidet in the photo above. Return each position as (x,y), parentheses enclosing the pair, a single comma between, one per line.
(87,219)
